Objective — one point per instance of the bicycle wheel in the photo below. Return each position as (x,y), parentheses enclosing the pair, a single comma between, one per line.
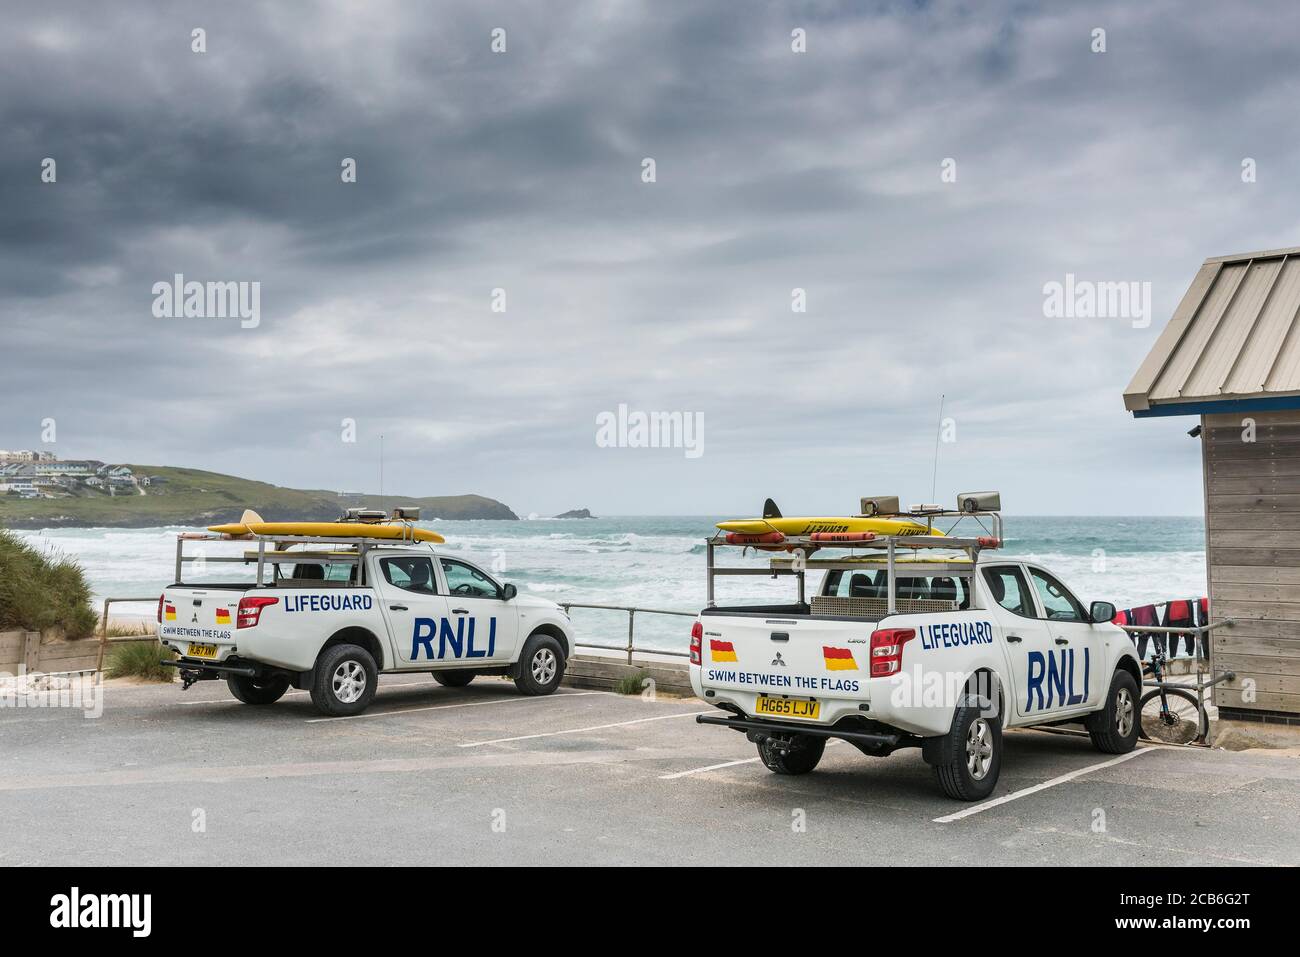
(1183,721)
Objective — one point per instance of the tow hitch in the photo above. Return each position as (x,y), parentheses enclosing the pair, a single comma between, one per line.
(192,671)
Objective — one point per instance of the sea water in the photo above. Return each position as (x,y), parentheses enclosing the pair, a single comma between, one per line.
(658,562)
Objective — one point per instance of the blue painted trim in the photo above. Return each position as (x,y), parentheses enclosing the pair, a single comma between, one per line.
(1273,403)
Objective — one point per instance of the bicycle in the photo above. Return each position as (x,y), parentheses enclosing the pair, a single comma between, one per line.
(1171,714)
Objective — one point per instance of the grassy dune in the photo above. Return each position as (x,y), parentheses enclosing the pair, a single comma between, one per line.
(41,591)
(195,497)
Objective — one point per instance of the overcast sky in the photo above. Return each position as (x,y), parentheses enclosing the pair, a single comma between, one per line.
(522,171)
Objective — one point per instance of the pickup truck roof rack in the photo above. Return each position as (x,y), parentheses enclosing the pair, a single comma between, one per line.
(876,549)
(270,548)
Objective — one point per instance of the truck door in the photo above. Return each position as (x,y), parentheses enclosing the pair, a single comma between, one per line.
(1079,646)
(489,624)
(1028,640)
(413,609)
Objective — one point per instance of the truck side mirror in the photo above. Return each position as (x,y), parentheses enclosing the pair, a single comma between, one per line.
(508,591)
(1101,612)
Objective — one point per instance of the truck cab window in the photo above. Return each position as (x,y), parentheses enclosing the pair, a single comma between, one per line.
(1007,585)
(466,580)
(410,574)
(1057,600)
(333,572)
(872,584)
(855,584)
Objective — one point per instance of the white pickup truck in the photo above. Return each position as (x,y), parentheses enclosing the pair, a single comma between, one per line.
(940,653)
(331,621)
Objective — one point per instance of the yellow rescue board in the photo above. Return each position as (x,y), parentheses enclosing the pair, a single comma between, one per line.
(809,526)
(386,531)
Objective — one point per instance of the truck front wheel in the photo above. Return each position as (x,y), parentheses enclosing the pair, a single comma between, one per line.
(970,755)
(257,690)
(799,755)
(344,680)
(1114,729)
(541,666)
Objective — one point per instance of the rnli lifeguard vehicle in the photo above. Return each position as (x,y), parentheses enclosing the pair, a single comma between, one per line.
(332,605)
(916,637)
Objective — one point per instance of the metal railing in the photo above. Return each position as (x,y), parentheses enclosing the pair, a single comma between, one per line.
(630,647)
(103,626)
(1202,657)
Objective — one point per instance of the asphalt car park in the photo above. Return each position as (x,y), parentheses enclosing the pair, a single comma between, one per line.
(433,775)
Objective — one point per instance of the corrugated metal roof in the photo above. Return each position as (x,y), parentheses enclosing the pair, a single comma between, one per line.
(1235,337)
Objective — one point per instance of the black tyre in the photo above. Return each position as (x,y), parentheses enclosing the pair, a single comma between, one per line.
(453,679)
(969,757)
(797,755)
(1178,719)
(1114,729)
(257,690)
(541,665)
(344,680)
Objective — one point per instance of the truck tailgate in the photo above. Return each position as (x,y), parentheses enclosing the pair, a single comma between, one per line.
(199,622)
(796,657)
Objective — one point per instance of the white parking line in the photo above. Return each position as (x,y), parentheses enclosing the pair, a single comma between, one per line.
(466,704)
(725,764)
(1025,792)
(594,727)
(711,767)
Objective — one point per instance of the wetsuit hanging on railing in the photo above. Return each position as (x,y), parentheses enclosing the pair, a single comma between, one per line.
(1145,615)
(1179,614)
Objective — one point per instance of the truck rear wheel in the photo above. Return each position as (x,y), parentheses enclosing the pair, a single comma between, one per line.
(1114,729)
(970,755)
(797,755)
(257,690)
(456,678)
(344,680)
(541,666)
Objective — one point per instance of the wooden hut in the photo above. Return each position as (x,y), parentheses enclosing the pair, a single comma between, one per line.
(1231,355)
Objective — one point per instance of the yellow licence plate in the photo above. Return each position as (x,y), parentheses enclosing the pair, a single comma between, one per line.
(203,651)
(787,707)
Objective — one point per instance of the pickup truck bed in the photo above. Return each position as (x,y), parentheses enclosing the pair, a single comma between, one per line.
(1009,654)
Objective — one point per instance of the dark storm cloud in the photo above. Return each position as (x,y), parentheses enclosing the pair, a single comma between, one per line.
(522,171)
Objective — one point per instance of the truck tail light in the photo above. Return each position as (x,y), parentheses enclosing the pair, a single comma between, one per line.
(887,650)
(160,604)
(250,611)
(697,642)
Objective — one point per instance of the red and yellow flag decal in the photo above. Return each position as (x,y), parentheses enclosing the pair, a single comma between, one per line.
(839,659)
(223,616)
(721,650)
(169,613)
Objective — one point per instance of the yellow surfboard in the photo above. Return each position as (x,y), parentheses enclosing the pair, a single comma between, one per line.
(386,531)
(800,526)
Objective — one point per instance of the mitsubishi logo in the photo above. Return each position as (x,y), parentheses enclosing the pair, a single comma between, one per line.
(194,620)
(778,661)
